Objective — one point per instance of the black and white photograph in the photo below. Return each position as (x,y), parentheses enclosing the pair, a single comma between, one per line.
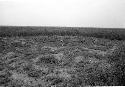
(62,43)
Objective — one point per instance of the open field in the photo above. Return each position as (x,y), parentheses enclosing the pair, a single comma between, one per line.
(108,33)
(60,59)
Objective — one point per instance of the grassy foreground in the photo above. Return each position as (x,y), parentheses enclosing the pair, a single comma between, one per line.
(60,59)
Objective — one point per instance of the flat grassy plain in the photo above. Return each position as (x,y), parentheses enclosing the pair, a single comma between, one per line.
(59,57)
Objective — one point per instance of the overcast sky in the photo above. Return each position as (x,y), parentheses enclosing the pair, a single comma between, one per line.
(73,13)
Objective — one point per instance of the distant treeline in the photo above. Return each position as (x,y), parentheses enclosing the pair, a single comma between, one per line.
(6,31)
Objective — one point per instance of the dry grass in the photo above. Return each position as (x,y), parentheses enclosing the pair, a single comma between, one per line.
(34,62)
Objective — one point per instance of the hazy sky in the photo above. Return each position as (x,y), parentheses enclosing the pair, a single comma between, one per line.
(74,13)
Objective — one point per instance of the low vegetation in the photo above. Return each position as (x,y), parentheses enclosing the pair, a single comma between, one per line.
(61,61)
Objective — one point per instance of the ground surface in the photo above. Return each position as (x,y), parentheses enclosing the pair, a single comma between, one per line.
(61,61)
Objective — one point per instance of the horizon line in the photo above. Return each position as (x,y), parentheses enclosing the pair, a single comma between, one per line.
(60,26)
